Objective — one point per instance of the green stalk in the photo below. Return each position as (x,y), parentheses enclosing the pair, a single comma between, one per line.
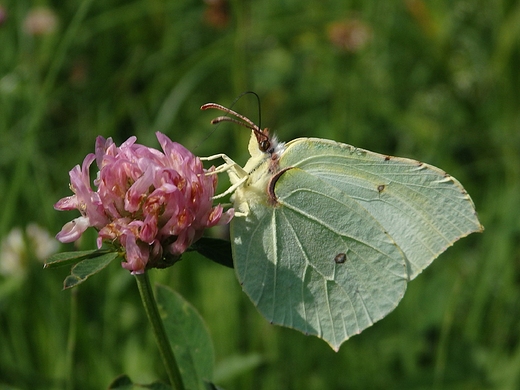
(71,342)
(165,349)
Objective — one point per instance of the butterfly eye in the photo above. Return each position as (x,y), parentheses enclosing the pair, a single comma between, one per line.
(264,145)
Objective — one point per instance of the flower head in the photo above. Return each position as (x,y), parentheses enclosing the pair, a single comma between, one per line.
(350,35)
(153,204)
(3,15)
(19,247)
(40,21)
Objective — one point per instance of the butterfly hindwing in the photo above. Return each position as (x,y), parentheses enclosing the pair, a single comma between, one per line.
(285,257)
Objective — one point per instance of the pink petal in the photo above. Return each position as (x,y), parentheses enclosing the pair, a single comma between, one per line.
(67,203)
(73,230)
(136,256)
(139,190)
(226,217)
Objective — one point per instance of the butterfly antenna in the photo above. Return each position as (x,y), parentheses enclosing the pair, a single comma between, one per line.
(233,120)
(259,105)
(262,136)
(250,124)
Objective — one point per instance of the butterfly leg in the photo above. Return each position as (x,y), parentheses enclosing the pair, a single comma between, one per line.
(236,173)
(231,189)
(228,166)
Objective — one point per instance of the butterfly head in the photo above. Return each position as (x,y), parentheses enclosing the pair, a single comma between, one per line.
(250,182)
(263,139)
(267,143)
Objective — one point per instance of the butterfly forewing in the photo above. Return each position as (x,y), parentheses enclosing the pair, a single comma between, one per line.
(422,208)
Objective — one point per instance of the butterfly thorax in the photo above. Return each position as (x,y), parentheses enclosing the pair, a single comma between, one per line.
(260,168)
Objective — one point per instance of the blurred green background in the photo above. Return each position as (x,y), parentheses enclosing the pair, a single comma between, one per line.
(435,80)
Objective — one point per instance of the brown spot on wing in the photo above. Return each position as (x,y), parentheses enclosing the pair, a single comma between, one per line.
(340,258)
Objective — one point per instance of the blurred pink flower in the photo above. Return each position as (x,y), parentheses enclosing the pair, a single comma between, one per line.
(3,15)
(350,35)
(40,21)
(152,204)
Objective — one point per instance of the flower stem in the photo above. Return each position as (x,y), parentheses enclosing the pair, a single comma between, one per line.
(150,306)
(71,341)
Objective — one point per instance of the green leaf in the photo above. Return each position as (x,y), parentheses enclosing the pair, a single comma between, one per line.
(214,249)
(124,382)
(67,258)
(189,338)
(236,365)
(212,386)
(88,267)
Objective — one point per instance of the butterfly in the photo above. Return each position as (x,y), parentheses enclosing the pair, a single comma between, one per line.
(326,236)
